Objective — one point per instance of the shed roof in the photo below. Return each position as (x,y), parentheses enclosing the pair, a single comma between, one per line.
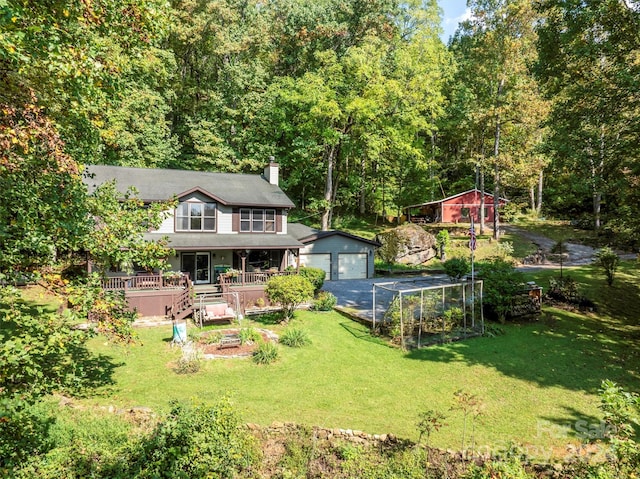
(452,197)
(162,184)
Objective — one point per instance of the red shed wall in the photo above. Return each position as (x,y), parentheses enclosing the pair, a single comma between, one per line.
(452,208)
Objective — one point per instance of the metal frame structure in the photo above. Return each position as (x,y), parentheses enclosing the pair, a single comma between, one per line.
(396,289)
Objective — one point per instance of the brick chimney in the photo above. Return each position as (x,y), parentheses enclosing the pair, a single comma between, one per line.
(272,172)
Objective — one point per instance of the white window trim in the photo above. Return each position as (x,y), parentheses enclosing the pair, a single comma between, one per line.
(249,221)
(202,217)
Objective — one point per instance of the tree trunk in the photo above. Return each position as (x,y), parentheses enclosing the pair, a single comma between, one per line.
(532,198)
(597,201)
(363,187)
(496,171)
(540,184)
(328,189)
(482,203)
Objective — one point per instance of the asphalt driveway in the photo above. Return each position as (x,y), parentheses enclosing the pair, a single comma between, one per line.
(357,294)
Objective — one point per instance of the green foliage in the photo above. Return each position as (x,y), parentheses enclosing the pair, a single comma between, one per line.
(314,275)
(390,248)
(44,214)
(622,415)
(511,468)
(608,260)
(24,431)
(324,301)
(501,282)
(443,240)
(196,440)
(266,353)
(456,268)
(107,311)
(190,361)
(249,335)
(41,352)
(295,337)
(119,225)
(453,317)
(289,291)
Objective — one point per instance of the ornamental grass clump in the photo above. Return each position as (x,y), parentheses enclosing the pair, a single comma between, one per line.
(266,353)
(295,337)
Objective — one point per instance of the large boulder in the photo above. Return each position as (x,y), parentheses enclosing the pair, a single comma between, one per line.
(407,244)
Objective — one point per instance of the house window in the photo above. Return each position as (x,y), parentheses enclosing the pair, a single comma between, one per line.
(464,212)
(486,212)
(196,216)
(257,221)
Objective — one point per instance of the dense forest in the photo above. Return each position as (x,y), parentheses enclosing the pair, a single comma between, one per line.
(362,104)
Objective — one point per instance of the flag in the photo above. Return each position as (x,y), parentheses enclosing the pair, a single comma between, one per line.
(472,237)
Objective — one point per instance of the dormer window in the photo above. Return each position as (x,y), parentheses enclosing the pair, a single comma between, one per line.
(196,216)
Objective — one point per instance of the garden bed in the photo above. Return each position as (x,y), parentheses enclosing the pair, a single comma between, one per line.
(218,350)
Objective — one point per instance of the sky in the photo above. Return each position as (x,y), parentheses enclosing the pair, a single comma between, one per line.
(454,12)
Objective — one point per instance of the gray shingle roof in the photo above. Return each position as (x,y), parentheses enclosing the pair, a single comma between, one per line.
(162,184)
(306,234)
(199,241)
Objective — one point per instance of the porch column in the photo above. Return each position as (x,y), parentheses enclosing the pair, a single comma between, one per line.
(243,263)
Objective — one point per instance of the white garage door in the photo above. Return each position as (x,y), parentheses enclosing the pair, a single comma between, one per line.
(322,261)
(352,266)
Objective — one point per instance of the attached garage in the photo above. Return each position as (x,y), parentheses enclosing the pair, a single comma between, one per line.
(317,260)
(341,255)
(352,266)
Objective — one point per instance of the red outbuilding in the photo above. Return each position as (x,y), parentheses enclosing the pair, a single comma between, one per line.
(454,209)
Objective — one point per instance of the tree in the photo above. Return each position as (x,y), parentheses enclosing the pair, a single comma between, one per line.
(588,64)
(501,281)
(44,215)
(289,291)
(608,260)
(82,61)
(505,108)
(119,223)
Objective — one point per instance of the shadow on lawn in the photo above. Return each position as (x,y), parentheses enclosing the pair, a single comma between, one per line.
(573,425)
(361,333)
(574,351)
(569,349)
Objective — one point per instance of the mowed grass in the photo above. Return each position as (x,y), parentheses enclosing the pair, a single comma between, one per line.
(538,382)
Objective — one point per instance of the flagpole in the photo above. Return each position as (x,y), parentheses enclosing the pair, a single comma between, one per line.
(472,247)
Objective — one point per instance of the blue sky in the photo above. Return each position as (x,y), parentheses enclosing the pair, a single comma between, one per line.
(454,12)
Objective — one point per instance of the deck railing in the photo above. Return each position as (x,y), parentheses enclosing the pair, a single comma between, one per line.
(250,277)
(145,282)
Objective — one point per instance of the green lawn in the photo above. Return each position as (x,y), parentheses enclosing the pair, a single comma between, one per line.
(535,381)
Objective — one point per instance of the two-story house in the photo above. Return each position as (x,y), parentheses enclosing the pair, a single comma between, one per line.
(222,221)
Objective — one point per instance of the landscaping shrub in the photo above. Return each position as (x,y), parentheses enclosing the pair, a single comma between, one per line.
(248,335)
(190,361)
(608,260)
(314,275)
(266,353)
(196,441)
(295,337)
(289,292)
(443,240)
(501,282)
(325,301)
(456,268)
(511,468)
(24,431)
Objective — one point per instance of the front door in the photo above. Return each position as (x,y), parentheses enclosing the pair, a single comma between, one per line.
(197,265)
